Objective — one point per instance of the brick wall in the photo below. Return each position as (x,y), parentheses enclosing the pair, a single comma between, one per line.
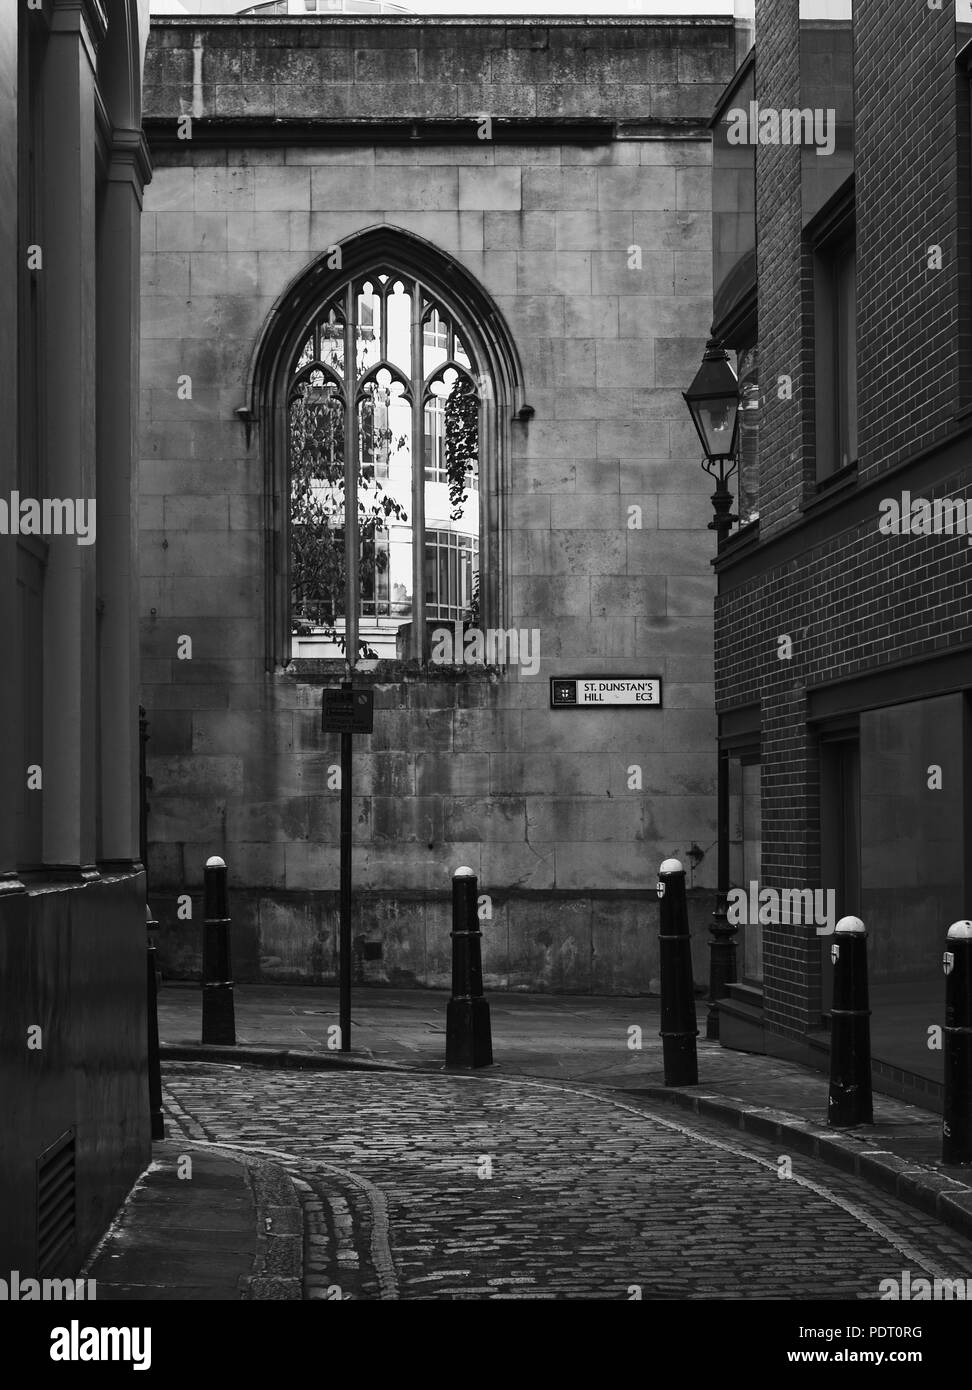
(783,338)
(907,201)
(857,600)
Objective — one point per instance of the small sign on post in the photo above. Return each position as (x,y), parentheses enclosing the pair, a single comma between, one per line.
(348,711)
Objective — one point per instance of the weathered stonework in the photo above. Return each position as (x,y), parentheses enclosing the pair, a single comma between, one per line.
(461,768)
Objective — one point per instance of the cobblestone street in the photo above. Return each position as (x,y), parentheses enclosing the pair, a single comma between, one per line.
(453,1187)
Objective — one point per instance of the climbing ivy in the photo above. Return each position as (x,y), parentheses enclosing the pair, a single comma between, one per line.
(461,441)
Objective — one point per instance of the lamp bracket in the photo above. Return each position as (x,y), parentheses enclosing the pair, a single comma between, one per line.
(725,466)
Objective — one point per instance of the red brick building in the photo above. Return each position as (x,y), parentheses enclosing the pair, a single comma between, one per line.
(843,630)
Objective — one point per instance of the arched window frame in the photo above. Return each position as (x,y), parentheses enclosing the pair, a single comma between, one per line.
(498,380)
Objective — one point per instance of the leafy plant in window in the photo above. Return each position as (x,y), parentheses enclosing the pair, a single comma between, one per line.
(317,466)
(461,441)
(317,504)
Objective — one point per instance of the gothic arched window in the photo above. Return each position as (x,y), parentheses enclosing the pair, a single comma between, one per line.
(384,393)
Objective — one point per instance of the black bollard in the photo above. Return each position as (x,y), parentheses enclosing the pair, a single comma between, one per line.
(850,1028)
(218,1019)
(678,1023)
(468,1039)
(957,1122)
(154,1061)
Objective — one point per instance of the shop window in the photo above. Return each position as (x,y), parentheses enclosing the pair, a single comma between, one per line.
(745,833)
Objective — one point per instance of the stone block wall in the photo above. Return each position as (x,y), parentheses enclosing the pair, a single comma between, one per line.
(595,250)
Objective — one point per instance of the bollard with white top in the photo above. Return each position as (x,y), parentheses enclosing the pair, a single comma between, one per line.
(850,1101)
(218,1017)
(957,1109)
(678,1022)
(468,1038)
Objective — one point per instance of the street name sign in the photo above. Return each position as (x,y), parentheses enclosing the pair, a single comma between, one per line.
(602,692)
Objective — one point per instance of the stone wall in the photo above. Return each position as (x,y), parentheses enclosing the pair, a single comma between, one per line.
(594,246)
(73,1034)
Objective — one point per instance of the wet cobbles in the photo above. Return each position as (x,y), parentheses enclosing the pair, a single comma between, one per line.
(450,1187)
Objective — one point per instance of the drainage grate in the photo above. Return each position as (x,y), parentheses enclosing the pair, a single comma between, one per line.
(56,1204)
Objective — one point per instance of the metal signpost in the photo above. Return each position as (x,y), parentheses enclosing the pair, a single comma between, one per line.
(346,711)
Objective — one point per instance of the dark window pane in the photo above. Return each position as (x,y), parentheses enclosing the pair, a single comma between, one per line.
(744,851)
(835,355)
(846,356)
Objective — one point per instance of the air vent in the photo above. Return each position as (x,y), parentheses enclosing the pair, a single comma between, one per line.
(56,1205)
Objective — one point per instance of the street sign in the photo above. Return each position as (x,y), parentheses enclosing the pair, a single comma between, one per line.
(599,692)
(345,711)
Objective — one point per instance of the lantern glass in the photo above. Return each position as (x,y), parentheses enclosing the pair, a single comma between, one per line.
(713,401)
(715,421)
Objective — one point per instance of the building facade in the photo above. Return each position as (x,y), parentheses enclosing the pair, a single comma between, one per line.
(843,629)
(73,1030)
(462,269)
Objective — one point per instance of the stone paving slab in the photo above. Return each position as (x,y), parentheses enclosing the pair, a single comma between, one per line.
(230,1229)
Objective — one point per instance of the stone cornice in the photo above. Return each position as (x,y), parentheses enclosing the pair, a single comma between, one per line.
(162,131)
(130,159)
(407,21)
(75,15)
